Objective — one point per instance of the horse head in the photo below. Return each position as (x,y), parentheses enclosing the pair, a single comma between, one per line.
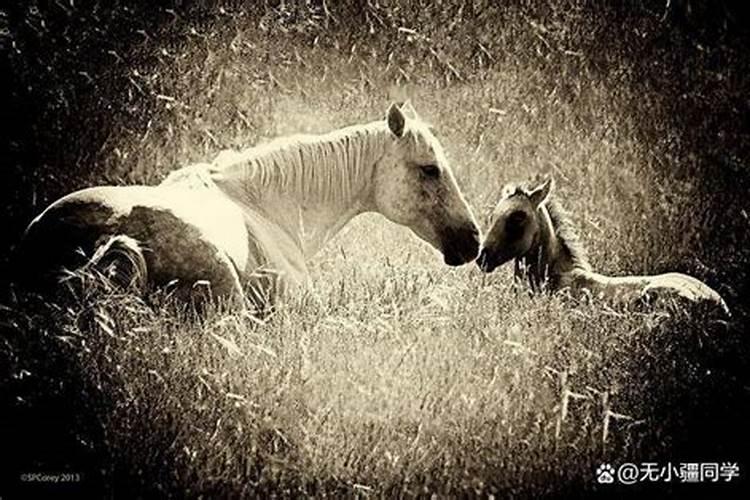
(415,187)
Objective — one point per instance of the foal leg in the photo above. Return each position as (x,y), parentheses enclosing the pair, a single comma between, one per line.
(686,287)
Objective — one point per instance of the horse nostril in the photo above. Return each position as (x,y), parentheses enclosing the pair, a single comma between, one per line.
(460,244)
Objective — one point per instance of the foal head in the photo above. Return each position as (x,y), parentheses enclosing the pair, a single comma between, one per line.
(414,186)
(516,225)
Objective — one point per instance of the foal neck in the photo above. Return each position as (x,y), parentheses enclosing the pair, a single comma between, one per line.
(546,261)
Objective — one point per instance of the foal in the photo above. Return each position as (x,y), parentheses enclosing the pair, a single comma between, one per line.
(531,228)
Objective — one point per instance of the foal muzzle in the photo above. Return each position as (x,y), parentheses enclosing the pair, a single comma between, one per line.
(489,261)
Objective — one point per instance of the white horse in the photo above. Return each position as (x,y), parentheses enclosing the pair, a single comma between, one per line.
(531,228)
(246,224)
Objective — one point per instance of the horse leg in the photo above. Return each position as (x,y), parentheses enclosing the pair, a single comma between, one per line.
(262,290)
(223,287)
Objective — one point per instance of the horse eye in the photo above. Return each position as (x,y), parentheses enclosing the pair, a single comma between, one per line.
(431,171)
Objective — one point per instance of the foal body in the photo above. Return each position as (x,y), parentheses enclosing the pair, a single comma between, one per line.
(533,230)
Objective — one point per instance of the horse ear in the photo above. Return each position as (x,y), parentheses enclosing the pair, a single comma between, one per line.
(540,193)
(396,120)
(408,109)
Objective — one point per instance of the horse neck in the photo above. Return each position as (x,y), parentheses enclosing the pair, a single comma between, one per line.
(329,185)
(545,262)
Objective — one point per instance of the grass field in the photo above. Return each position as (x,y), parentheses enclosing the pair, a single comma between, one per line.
(394,375)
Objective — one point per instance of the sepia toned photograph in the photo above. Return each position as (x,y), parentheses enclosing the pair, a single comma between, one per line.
(374,249)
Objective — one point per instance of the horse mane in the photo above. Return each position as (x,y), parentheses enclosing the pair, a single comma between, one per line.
(567,234)
(330,166)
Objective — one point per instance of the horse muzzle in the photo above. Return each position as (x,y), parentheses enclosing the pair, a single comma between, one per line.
(460,245)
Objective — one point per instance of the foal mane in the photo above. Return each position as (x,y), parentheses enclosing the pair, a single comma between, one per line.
(567,234)
(330,166)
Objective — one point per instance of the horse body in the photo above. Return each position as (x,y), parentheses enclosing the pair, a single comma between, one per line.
(176,228)
(246,223)
(533,230)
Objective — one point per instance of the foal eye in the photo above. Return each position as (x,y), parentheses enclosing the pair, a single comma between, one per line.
(431,171)
(517,218)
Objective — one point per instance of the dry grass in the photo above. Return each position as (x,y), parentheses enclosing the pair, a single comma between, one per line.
(393,375)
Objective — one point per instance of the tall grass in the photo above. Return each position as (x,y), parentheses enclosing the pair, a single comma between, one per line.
(389,380)
(393,375)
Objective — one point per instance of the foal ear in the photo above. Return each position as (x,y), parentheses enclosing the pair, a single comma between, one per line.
(396,120)
(540,193)
(508,190)
(408,110)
